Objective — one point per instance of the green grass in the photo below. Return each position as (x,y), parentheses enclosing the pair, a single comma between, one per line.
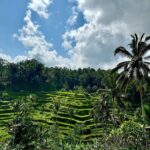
(74,109)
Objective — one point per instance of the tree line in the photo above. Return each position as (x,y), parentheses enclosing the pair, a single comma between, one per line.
(30,75)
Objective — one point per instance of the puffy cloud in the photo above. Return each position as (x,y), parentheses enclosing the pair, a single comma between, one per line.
(20,58)
(10,59)
(13,60)
(40,7)
(6,57)
(109,24)
(133,13)
(30,36)
(40,49)
(33,39)
(94,45)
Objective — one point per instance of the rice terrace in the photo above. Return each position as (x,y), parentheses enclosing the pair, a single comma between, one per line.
(73,109)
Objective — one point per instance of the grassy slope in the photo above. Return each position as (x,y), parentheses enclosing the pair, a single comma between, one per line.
(74,109)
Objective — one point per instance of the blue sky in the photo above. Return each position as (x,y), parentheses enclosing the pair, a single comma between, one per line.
(70,33)
(12,14)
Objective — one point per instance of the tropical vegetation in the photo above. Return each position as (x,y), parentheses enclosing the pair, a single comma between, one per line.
(55,108)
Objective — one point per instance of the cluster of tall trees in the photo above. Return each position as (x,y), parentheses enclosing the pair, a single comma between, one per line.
(32,75)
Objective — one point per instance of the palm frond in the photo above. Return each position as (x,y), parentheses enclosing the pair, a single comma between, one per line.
(123,51)
(136,38)
(144,49)
(121,76)
(125,83)
(147,57)
(145,73)
(147,38)
(144,67)
(142,37)
(148,47)
(133,44)
(133,37)
(131,73)
(140,74)
(121,65)
(134,51)
(142,70)
(146,62)
(136,67)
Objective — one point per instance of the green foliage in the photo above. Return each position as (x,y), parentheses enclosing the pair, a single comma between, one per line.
(102,111)
(66,109)
(54,128)
(136,68)
(147,112)
(130,135)
(62,120)
(22,129)
(30,75)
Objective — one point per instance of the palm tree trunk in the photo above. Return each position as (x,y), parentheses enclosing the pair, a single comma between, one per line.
(142,106)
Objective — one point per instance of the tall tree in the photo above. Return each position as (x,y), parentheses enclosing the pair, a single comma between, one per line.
(136,67)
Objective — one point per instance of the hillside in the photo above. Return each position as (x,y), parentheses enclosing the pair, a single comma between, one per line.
(67,109)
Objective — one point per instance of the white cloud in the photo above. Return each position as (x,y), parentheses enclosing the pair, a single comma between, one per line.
(30,36)
(40,49)
(40,7)
(10,59)
(20,58)
(6,57)
(134,13)
(94,45)
(73,18)
(109,24)
(13,60)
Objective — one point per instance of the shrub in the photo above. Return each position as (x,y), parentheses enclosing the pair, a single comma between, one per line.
(130,135)
(22,129)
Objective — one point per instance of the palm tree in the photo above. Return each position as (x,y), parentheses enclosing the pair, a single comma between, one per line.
(136,67)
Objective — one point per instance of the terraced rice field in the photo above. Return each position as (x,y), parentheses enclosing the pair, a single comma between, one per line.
(68,109)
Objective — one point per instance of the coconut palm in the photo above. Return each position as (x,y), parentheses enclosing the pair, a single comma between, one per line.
(136,67)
